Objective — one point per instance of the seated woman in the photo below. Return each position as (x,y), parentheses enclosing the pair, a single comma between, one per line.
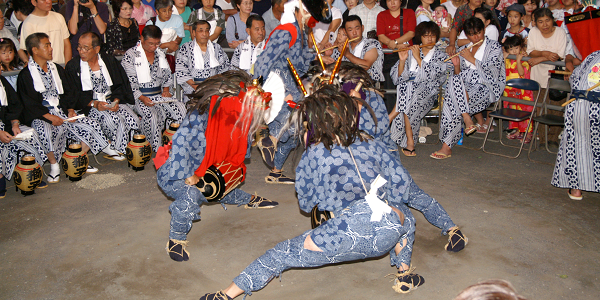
(235,30)
(577,159)
(478,81)
(123,32)
(418,76)
(327,176)
(215,17)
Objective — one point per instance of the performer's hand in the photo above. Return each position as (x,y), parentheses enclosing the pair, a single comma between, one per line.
(71,114)
(328,60)
(16,129)
(101,106)
(354,93)
(166,94)
(5,137)
(146,101)
(451,50)
(192,180)
(403,55)
(115,108)
(456,61)
(415,52)
(56,121)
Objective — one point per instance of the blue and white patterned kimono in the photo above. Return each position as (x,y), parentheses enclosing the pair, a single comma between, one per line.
(186,155)
(483,84)
(376,69)
(578,160)
(417,88)
(185,66)
(330,180)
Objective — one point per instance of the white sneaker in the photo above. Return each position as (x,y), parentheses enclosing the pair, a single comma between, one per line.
(91,170)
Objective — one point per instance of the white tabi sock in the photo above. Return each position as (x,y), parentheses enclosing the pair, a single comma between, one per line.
(108,150)
(54,169)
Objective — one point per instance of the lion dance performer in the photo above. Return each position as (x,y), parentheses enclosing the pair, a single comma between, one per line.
(223,111)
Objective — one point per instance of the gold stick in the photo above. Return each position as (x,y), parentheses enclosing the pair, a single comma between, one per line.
(408,48)
(333,47)
(318,53)
(297,77)
(589,90)
(338,62)
(457,54)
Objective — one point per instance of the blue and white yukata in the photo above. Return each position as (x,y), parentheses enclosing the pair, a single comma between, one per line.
(45,95)
(246,54)
(330,180)
(274,59)
(186,155)
(483,83)
(192,63)
(578,160)
(156,77)
(417,89)
(360,50)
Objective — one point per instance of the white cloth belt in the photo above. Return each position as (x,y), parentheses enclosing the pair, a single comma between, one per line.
(86,78)
(247,56)
(142,67)
(378,207)
(199,60)
(38,84)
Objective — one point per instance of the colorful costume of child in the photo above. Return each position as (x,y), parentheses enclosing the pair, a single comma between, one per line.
(512,73)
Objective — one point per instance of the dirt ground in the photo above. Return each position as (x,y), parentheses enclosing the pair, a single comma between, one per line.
(91,240)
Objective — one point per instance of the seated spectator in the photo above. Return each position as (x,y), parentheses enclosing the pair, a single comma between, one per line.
(215,17)
(101,91)
(272,16)
(325,34)
(142,13)
(453,5)
(227,6)
(546,42)
(123,32)
(83,17)
(393,35)
(180,8)
(530,6)
(423,13)
(9,61)
(491,28)
(46,105)
(477,81)
(515,45)
(42,19)
(5,32)
(259,7)
(515,14)
(236,25)
(10,110)
(418,76)
(151,80)
(463,13)
(350,4)
(246,53)
(367,12)
(171,25)
(365,52)
(199,59)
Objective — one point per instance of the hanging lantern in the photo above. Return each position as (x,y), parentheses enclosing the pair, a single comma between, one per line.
(27,175)
(139,152)
(169,131)
(74,162)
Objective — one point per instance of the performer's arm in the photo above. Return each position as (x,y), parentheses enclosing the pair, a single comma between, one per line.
(366,62)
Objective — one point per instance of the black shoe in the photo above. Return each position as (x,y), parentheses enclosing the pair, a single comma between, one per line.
(278,177)
(260,202)
(42,185)
(406,281)
(176,250)
(456,240)
(216,296)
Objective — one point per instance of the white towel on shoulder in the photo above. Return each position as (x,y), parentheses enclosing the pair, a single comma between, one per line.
(142,67)
(86,78)
(199,60)
(247,56)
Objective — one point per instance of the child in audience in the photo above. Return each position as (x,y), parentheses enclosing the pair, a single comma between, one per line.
(9,61)
(491,26)
(515,14)
(442,18)
(515,45)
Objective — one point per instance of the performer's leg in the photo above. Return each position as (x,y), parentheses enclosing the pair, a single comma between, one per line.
(52,139)
(240,197)
(283,151)
(453,108)
(89,132)
(174,110)
(151,123)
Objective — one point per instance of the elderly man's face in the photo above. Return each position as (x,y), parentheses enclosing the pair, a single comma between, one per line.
(202,33)
(85,48)
(149,45)
(256,32)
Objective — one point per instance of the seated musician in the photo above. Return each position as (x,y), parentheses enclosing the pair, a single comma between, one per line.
(364,51)
(478,81)
(205,138)
(418,77)
(46,105)
(101,89)
(151,82)
(246,53)
(337,172)
(199,59)
(10,109)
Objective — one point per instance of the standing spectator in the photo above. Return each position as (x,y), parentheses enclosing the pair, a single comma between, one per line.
(367,12)
(180,8)
(499,16)
(261,6)
(392,34)
(515,13)
(14,17)
(123,32)
(227,6)
(273,16)
(463,13)
(148,2)
(325,34)
(339,4)
(142,13)
(530,6)
(246,53)
(424,12)
(42,19)
(5,32)
(546,42)
(350,4)
(236,25)
(215,17)
(504,4)
(491,28)
(452,5)
(83,17)
(558,11)
(171,25)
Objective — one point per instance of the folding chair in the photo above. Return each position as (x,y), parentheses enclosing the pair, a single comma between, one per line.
(547,119)
(512,114)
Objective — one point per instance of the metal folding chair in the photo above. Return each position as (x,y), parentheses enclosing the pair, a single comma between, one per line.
(512,114)
(547,119)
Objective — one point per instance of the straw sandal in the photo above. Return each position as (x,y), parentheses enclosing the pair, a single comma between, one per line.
(176,250)
(456,240)
(406,281)
(220,295)
(278,177)
(268,146)
(260,202)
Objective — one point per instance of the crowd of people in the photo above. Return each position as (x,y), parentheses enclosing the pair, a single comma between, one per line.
(458,47)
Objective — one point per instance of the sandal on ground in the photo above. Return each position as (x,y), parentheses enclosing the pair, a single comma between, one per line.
(456,240)
(260,202)
(573,197)
(53,178)
(267,146)
(406,281)
(410,152)
(220,295)
(176,250)
(439,156)
(528,137)
(115,157)
(481,129)
(278,177)
(470,130)
(516,135)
